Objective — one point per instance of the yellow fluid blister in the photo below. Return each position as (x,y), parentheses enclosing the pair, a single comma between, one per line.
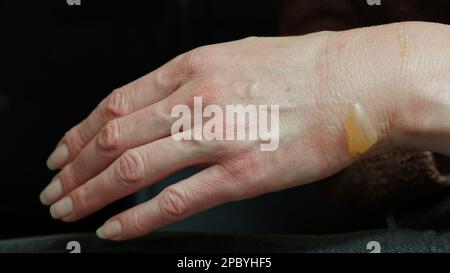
(361,134)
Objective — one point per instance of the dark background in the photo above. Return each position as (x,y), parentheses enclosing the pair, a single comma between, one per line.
(58,61)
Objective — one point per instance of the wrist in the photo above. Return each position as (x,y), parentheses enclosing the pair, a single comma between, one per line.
(363,69)
(423,106)
(400,73)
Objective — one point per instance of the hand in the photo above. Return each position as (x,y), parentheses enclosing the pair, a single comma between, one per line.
(317,80)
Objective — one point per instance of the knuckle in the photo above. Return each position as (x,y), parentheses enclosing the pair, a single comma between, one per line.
(138,223)
(195,61)
(69,178)
(194,145)
(160,112)
(109,136)
(251,38)
(76,140)
(173,202)
(115,104)
(130,168)
(82,199)
(164,77)
(242,173)
(232,190)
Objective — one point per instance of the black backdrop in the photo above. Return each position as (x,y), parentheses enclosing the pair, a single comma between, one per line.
(58,61)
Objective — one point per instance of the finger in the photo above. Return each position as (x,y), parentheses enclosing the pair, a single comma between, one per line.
(199,192)
(145,91)
(135,169)
(118,135)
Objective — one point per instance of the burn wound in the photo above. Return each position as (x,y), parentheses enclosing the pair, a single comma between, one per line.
(403,44)
(361,134)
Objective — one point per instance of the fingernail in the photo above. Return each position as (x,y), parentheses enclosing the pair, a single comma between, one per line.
(58,157)
(109,230)
(52,192)
(62,208)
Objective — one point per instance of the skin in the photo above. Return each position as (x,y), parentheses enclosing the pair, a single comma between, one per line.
(398,73)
